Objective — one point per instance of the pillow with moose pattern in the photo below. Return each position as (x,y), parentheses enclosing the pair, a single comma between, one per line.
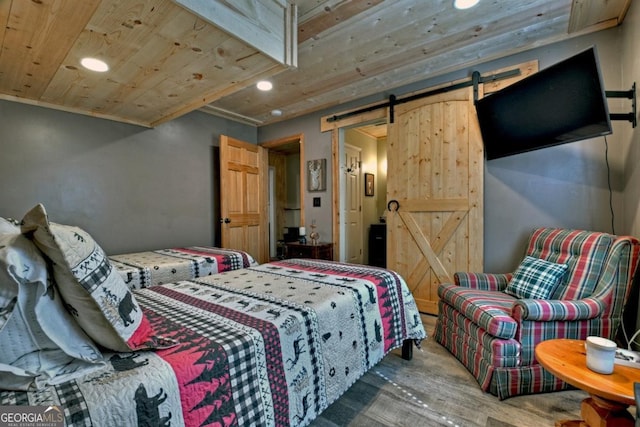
(92,290)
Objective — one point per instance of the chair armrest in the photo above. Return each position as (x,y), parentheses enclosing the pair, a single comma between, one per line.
(483,281)
(553,310)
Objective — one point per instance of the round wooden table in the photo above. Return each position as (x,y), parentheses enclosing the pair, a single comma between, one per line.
(610,394)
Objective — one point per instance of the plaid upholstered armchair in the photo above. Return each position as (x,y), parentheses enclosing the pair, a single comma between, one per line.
(571,284)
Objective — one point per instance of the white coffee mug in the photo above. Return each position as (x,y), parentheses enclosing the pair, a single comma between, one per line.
(601,353)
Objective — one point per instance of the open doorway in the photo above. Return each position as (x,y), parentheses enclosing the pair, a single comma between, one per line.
(370,172)
(286,191)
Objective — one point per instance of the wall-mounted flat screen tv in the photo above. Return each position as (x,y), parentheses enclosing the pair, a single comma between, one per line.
(563,103)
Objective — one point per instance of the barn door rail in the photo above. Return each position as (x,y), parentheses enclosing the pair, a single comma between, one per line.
(475,80)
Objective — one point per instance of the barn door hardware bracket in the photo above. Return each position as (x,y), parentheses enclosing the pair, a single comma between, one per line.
(475,80)
(628,94)
(392,104)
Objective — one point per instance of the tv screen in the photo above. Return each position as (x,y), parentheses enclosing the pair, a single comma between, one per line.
(562,103)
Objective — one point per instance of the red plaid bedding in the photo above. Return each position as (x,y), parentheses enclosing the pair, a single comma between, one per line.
(273,344)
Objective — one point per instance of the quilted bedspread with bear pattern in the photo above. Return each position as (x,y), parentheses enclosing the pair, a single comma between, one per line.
(269,345)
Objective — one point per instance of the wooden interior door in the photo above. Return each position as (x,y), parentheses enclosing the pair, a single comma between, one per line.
(243,197)
(435,193)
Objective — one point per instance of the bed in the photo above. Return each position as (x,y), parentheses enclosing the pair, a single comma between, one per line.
(149,268)
(272,344)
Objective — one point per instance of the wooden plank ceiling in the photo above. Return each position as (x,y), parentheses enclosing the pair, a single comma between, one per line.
(167,60)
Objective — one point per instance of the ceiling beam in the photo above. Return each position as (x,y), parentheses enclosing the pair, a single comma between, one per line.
(595,13)
(269,25)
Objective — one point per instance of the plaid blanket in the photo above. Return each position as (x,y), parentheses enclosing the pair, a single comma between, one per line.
(269,345)
(144,269)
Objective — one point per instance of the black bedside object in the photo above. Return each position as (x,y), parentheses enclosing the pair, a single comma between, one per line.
(378,245)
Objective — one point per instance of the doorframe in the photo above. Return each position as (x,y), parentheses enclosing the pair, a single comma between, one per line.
(337,134)
(273,249)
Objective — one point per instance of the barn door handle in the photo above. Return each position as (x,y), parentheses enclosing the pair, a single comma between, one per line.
(225,220)
(393,202)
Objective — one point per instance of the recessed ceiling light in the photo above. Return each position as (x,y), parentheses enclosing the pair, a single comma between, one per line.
(264,85)
(276,113)
(464,4)
(94,64)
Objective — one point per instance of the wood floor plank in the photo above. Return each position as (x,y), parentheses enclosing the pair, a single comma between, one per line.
(434,389)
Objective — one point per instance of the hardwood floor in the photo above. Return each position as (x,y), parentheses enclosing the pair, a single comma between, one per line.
(434,389)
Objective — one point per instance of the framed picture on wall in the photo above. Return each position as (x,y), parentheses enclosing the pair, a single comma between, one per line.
(317,175)
(369,184)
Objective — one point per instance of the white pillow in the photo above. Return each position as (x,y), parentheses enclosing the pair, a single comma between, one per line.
(8,227)
(40,343)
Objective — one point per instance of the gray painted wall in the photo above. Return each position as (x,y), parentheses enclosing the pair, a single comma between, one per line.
(631,137)
(132,188)
(564,186)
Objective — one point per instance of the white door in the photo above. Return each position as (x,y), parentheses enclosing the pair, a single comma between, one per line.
(353,205)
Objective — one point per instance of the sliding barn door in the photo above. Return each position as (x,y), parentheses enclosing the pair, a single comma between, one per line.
(243,197)
(435,193)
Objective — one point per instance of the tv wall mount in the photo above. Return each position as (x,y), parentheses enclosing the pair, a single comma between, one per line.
(628,94)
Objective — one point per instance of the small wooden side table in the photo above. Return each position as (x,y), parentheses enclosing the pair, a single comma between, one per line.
(610,394)
(309,250)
